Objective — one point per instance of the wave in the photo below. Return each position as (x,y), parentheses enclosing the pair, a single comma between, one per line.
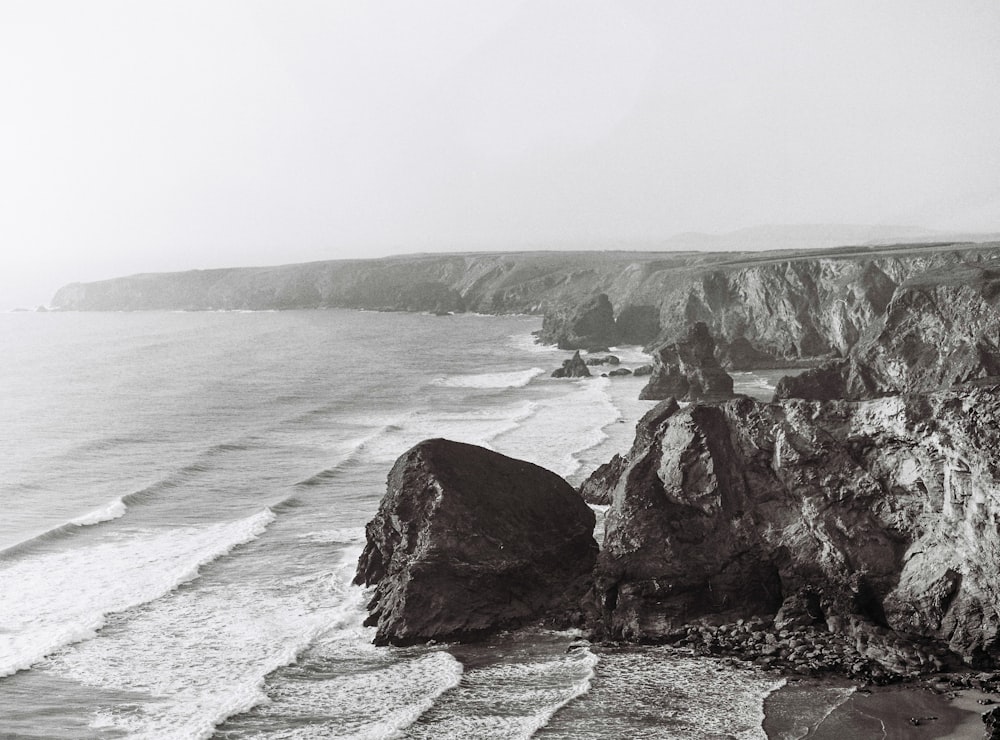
(74,591)
(112,510)
(514,379)
(513,697)
(563,427)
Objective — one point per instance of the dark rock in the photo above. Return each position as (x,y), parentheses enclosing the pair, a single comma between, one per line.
(574,367)
(824,383)
(880,508)
(687,369)
(619,372)
(801,609)
(638,324)
(599,486)
(740,354)
(643,370)
(589,325)
(605,360)
(992,721)
(467,542)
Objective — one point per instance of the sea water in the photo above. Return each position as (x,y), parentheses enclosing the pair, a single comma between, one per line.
(184,498)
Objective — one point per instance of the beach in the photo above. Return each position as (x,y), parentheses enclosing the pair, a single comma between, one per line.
(800,709)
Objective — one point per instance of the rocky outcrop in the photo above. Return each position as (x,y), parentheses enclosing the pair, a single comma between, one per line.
(574,367)
(688,370)
(878,519)
(827,382)
(740,354)
(938,330)
(589,326)
(598,487)
(643,370)
(620,372)
(605,360)
(467,541)
(638,324)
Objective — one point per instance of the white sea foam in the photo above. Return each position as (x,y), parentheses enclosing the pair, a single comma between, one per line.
(479,426)
(563,426)
(73,591)
(515,379)
(110,511)
(670,696)
(381,699)
(203,654)
(509,699)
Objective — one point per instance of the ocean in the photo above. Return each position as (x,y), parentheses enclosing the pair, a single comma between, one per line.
(184,499)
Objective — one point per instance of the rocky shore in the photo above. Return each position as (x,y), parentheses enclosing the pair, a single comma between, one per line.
(848,528)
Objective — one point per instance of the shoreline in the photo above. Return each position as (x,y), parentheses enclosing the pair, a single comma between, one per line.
(809,709)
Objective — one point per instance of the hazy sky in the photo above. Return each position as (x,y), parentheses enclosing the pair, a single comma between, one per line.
(143,136)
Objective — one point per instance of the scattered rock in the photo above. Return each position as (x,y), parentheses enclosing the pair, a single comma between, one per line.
(467,542)
(619,372)
(574,367)
(606,360)
(643,370)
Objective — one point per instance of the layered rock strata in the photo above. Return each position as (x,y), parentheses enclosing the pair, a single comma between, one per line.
(938,329)
(467,542)
(886,511)
(688,370)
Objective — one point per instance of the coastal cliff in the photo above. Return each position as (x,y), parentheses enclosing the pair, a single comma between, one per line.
(880,517)
(787,304)
(938,329)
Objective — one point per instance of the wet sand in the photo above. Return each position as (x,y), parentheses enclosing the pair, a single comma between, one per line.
(834,711)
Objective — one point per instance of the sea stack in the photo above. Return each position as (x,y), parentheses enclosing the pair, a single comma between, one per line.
(687,369)
(467,542)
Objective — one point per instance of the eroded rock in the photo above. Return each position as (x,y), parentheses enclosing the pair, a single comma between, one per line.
(688,370)
(467,542)
(886,509)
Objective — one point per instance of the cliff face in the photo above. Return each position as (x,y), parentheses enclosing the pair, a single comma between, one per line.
(888,510)
(938,329)
(789,304)
(467,541)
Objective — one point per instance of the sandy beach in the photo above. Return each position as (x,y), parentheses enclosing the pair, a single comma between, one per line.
(837,711)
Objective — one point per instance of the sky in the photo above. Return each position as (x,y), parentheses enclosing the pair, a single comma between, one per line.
(169,135)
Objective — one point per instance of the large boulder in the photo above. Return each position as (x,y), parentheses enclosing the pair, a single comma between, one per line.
(687,369)
(878,517)
(467,541)
(574,367)
(589,325)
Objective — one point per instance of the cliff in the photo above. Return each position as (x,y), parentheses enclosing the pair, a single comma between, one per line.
(878,519)
(789,304)
(938,329)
